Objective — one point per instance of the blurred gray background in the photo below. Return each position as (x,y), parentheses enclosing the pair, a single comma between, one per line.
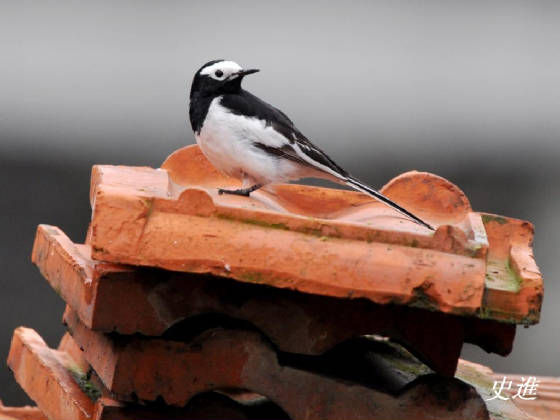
(467,90)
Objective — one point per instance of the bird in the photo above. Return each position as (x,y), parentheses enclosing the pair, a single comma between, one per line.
(248,139)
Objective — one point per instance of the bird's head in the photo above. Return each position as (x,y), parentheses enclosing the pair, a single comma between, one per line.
(219,76)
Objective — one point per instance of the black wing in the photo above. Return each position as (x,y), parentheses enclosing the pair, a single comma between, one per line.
(246,104)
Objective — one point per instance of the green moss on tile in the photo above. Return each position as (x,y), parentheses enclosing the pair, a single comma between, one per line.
(422,300)
(516,280)
(487,218)
(84,382)
(149,204)
(475,251)
(281,226)
(484,313)
(253,278)
(500,275)
(403,361)
(313,232)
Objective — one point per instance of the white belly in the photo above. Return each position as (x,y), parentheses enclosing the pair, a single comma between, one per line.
(226,139)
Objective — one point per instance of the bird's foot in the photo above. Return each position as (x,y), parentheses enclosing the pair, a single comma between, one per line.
(242,192)
(245,192)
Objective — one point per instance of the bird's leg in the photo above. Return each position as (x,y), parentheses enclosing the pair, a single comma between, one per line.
(242,191)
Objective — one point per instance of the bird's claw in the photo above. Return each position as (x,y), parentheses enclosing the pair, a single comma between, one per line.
(241,192)
(244,192)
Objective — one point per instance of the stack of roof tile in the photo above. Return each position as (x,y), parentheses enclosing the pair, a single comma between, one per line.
(183,303)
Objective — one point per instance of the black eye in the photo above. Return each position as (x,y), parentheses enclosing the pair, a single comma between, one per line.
(219,73)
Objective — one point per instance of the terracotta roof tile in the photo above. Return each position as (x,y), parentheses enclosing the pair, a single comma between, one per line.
(315,240)
(165,301)
(514,284)
(220,358)
(49,378)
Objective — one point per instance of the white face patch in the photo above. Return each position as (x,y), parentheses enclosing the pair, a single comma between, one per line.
(222,70)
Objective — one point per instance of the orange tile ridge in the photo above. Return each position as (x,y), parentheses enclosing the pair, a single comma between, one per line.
(351,247)
(187,183)
(315,240)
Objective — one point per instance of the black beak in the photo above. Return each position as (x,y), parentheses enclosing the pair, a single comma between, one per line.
(246,72)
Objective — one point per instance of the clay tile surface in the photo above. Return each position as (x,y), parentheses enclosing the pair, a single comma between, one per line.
(46,376)
(166,302)
(514,284)
(35,366)
(50,378)
(220,358)
(314,240)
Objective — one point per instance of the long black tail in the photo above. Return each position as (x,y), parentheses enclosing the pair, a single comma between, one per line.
(354,183)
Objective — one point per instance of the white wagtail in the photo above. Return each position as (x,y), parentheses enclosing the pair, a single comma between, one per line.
(248,139)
